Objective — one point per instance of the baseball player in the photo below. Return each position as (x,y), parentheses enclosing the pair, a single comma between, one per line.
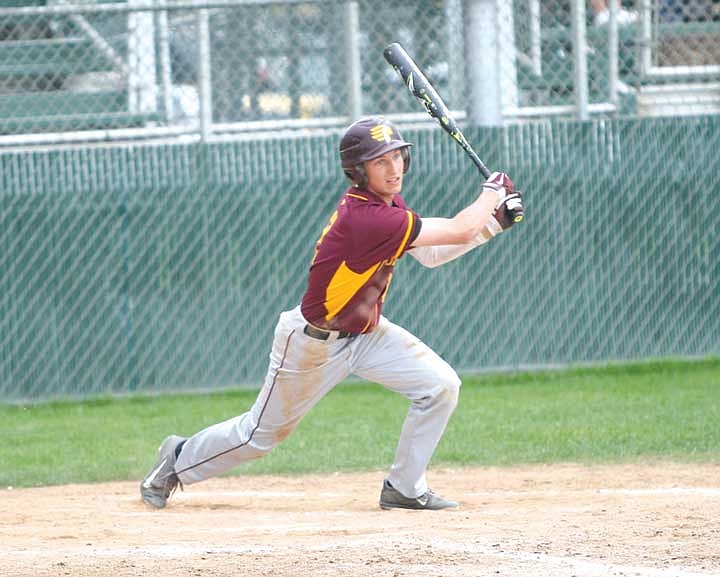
(338,329)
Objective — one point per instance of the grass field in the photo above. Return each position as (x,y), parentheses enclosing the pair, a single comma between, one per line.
(645,411)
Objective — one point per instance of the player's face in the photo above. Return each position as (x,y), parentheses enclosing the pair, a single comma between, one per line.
(385,174)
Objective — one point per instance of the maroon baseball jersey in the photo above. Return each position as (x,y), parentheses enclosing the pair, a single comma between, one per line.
(354,260)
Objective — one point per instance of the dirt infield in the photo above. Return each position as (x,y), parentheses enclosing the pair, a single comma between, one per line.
(658,520)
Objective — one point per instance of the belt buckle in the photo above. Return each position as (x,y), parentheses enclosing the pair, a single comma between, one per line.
(316,333)
(321,334)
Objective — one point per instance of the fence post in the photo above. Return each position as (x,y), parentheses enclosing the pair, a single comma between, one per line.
(205,86)
(352,60)
(481,49)
(165,65)
(613,53)
(142,84)
(580,71)
(456,62)
(491,61)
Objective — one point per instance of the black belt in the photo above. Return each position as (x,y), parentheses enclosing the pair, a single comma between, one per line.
(322,335)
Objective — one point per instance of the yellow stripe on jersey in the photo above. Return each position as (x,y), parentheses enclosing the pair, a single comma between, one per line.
(387,286)
(371,318)
(406,236)
(343,286)
(365,198)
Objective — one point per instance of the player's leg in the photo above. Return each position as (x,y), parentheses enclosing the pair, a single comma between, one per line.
(301,371)
(400,361)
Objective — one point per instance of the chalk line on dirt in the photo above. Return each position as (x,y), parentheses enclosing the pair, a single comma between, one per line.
(650,492)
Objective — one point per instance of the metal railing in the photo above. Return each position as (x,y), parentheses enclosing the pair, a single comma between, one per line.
(206,70)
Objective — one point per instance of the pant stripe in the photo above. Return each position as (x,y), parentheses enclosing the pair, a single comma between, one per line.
(272,387)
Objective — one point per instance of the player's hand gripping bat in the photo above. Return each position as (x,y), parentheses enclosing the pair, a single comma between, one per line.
(421,88)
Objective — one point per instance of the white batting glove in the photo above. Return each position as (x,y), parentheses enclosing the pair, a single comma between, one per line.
(501,184)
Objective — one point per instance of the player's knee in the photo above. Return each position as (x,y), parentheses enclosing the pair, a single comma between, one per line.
(453,388)
(450,389)
(265,439)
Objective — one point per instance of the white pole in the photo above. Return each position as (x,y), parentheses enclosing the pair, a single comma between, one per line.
(482,58)
(204,76)
(507,56)
(580,59)
(456,62)
(613,54)
(352,60)
(535,37)
(165,65)
(646,54)
(142,84)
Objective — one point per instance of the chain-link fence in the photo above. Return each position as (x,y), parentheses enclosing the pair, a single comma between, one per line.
(157,67)
(155,267)
(163,264)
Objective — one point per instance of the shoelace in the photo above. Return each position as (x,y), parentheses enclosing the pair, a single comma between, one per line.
(171,483)
(424,499)
(177,484)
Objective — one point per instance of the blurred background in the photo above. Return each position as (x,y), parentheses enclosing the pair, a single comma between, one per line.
(235,65)
(165,169)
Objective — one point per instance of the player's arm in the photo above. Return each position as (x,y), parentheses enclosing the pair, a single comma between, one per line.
(500,220)
(462,228)
(473,223)
(432,256)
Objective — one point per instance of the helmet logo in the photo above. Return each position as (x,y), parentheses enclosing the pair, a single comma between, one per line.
(381,133)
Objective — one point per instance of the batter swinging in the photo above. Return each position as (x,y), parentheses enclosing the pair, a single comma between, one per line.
(339,330)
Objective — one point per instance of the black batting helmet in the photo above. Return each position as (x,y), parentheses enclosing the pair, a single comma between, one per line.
(366,139)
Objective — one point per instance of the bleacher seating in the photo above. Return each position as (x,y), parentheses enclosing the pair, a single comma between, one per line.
(44,63)
(555,84)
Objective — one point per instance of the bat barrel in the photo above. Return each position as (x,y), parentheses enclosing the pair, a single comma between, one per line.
(391,50)
(424,91)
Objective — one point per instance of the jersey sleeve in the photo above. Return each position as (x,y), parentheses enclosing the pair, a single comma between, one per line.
(385,233)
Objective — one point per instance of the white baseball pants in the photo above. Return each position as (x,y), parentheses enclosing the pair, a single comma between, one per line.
(303,369)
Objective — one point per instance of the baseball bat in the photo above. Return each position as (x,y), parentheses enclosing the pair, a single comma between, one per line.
(420,87)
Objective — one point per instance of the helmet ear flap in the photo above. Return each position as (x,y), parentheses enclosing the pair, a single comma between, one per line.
(357,176)
(405,151)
